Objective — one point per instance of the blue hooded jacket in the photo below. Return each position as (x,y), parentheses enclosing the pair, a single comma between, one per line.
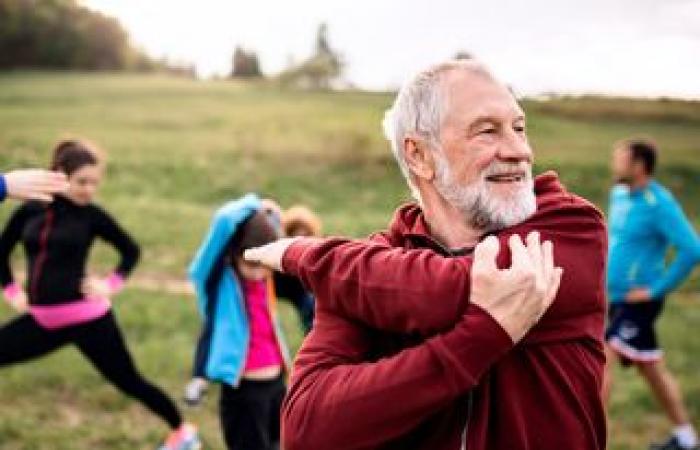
(220,298)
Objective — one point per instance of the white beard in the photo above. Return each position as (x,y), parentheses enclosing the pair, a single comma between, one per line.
(482,209)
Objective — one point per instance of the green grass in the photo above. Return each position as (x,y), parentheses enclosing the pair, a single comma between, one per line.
(178,148)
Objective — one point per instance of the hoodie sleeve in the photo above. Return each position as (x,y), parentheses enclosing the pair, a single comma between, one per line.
(3,187)
(108,229)
(392,289)
(223,225)
(339,399)
(420,291)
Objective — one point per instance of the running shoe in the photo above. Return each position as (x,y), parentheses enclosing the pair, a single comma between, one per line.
(672,444)
(195,390)
(184,438)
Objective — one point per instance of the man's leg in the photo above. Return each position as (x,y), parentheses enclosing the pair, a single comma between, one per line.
(666,390)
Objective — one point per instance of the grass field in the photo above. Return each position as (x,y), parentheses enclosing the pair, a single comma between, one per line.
(178,148)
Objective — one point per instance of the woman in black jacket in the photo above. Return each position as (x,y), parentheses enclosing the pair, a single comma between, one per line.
(62,305)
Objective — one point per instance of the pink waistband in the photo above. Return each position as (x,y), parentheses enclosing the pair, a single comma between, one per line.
(53,317)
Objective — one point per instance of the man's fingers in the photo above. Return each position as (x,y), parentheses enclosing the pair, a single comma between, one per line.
(485,255)
(519,253)
(534,249)
(548,258)
(255,254)
(269,255)
(554,283)
(40,197)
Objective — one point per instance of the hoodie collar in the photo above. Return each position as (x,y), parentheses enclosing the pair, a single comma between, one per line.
(409,221)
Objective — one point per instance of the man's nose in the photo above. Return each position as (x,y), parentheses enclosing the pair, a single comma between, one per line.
(515,148)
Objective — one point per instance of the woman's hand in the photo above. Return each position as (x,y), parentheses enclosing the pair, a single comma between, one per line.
(16,297)
(19,301)
(95,288)
(638,295)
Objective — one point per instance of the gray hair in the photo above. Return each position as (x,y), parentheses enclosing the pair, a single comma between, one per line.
(419,109)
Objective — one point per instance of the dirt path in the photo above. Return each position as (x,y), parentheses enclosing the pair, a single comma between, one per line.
(162,283)
(150,282)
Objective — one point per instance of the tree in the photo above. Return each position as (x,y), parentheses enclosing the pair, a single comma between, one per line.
(320,69)
(245,64)
(64,35)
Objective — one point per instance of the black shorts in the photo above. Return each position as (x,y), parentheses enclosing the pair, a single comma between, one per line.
(631,331)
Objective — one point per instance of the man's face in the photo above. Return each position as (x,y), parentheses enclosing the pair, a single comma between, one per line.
(621,165)
(484,167)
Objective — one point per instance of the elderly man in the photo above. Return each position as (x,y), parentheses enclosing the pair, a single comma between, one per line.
(422,343)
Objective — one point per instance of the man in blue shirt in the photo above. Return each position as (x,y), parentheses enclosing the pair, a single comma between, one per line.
(31,184)
(644,221)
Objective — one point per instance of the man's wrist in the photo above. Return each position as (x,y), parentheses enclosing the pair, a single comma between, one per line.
(291,258)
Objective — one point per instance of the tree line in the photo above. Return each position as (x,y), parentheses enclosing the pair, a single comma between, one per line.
(61,34)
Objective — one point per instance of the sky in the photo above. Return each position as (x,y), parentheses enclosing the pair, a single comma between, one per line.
(618,47)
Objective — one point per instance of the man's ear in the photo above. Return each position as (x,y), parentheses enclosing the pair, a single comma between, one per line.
(419,158)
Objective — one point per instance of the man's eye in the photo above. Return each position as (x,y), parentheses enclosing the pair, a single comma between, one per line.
(519,128)
(487,131)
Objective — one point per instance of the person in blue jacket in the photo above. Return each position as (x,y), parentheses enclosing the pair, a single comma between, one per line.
(644,221)
(241,344)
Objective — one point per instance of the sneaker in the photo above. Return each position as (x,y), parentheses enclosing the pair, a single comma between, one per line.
(195,390)
(184,438)
(672,444)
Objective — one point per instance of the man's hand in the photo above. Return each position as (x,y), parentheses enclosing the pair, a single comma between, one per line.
(638,295)
(269,255)
(516,297)
(35,184)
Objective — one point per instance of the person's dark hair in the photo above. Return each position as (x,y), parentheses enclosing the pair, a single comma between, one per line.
(72,154)
(254,232)
(645,152)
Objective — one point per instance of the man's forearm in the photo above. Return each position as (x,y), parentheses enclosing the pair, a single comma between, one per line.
(392,289)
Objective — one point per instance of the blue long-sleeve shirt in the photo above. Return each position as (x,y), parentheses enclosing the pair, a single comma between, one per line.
(643,224)
(3,187)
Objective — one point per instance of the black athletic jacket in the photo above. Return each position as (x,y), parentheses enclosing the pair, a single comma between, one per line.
(57,238)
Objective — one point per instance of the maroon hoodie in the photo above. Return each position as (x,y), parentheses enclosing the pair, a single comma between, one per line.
(399,359)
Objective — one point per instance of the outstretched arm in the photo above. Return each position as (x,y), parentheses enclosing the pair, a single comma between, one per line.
(392,289)
(417,290)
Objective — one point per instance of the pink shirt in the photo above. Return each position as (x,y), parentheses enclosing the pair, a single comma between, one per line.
(263,349)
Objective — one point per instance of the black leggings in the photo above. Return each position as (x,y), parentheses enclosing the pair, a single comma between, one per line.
(250,414)
(101,342)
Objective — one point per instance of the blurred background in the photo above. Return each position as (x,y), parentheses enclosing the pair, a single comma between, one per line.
(199,102)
